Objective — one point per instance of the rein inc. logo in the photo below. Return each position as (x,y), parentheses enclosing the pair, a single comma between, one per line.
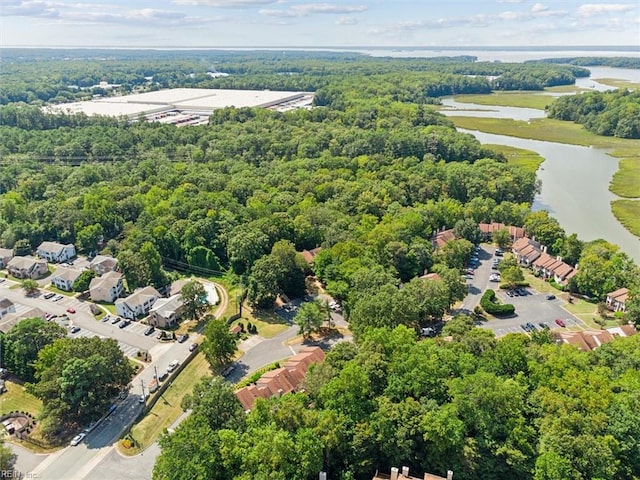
(16,474)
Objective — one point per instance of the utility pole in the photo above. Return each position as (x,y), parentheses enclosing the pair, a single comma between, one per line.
(142,385)
(155,369)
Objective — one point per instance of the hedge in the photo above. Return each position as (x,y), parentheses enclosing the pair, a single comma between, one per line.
(487,302)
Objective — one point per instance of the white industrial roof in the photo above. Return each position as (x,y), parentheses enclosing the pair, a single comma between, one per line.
(200,99)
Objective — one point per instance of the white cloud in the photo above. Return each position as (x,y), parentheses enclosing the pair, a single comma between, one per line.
(226,3)
(510,1)
(347,21)
(314,8)
(539,7)
(591,9)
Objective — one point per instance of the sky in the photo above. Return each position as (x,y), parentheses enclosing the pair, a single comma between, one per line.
(300,23)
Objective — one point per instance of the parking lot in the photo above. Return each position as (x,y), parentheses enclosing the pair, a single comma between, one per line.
(131,338)
(532,307)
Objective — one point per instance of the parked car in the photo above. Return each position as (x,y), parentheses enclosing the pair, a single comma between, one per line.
(173,365)
(183,338)
(510,293)
(124,323)
(193,346)
(142,398)
(106,318)
(149,330)
(75,329)
(524,326)
(499,252)
(49,295)
(550,296)
(77,439)
(531,326)
(57,298)
(163,376)
(71,310)
(115,320)
(560,322)
(544,325)
(160,335)
(227,371)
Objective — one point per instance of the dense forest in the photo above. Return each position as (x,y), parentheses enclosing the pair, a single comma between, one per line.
(615,62)
(612,114)
(37,76)
(369,174)
(515,408)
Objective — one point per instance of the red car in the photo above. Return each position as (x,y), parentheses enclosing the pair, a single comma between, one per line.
(71,310)
(560,322)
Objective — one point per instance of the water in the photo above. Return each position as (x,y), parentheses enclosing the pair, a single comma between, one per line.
(473,110)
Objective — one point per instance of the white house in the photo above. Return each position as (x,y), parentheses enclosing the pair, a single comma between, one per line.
(166,311)
(6,254)
(616,300)
(102,264)
(63,278)
(6,306)
(138,303)
(26,267)
(56,252)
(106,288)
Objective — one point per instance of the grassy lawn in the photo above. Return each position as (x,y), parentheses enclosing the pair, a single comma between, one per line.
(167,408)
(17,398)
(564,89)
(526,159)
(268,322)
(626,181)
(618,83)
(54,289)
(549,130)
(628,214)
(507,99)
(110,307)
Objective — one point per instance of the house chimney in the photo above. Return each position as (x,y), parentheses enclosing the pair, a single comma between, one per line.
(394,473)
(405,471)
(449,474)
(322,476)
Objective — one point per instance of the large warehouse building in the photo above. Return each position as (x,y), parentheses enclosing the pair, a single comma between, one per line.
(185,106)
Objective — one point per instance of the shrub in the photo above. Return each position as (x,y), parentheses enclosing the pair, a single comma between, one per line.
(489,305)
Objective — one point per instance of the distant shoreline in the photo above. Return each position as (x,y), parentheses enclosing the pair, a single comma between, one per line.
(347,48)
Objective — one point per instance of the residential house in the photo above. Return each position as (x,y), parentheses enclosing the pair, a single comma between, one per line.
(281,380)
(309,255)
(623,331)
(616,300)
(56,252)
(526,250)
(106,288)
(6,254)
(26,267)
(9,320)
(588,340)
(102,264)
(6,306)
(63,278)
(487,230)
(545,264)
(564,273)
(442,237)
(396,474)
(430,276)
(166,312)
(138,303)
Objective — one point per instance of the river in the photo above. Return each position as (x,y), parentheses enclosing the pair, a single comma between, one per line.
(575,179)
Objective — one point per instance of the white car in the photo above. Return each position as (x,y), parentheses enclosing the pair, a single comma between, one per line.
(77,439)
(173,365)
